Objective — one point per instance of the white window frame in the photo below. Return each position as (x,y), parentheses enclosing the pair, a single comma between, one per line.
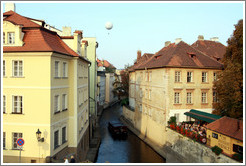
(190,75)
(56,103)
(17,68)
(4,74)
(11,38)
(204,77)
(4,104)
(64,102)
(189,98)
(17,104)
(204,97)
(65,68)
(177,76)
(57,69)
(14,139)
(215,76)
(176,97)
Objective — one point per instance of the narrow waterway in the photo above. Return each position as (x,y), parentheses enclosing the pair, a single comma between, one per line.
(131,150)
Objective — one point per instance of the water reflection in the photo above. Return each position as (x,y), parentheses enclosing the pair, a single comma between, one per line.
(131,150)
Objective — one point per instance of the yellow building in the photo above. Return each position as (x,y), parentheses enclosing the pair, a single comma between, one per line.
(226,133)
(45,88)
(169,83)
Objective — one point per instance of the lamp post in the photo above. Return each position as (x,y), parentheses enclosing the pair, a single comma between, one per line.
(38,135)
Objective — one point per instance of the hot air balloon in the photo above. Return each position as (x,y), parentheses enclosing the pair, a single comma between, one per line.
(108,25)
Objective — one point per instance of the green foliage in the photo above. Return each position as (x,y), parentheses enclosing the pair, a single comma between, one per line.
(172,120)
(230,83)
(124,101)
(237,156)
(217,150)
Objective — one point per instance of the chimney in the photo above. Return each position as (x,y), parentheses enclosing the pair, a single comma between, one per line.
(177,40)
(66,31)
(9,6)
(167,43)
(201,37)
(216,39)
(138,55)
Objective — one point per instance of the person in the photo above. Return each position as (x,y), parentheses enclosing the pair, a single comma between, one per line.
(65,160)
(72,159)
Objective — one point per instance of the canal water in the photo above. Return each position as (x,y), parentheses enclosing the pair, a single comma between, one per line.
(131,150)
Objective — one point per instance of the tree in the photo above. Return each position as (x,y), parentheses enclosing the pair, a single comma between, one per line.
(229,86)
(125,79)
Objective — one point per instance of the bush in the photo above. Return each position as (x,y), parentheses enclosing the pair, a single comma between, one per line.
(124,101)
(172,120)
(237,156)
(217,150)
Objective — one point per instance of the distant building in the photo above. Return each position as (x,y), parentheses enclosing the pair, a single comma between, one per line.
(170,82)
(45,88)
(226,133)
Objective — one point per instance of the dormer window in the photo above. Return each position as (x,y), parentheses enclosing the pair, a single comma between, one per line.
(11,38)
(157,56)
(191,55)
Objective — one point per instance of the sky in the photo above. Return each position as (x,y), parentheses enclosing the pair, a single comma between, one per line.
(144,26)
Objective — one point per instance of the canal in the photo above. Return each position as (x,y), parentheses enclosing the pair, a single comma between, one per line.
(131,150)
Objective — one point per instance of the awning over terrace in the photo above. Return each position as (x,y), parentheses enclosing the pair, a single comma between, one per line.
(204,116)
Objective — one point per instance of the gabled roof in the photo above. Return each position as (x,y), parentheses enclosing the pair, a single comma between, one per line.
(213,49)
(180,55)
(18,19)
(37,38)
(228,126)
(141,61)
(105,63)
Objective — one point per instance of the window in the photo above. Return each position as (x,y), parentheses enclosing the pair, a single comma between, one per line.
(238,149)
(215,97)
(189,76)
(176,97)
(56,69)
(204,76)
(56,104)
(64,134)
(214,135)
(177,76)
(17,68)
(215,76)
(204,97)
(11,38)
(141,93)
(16,136)
(189,98)
(17,105)
(146,76)
(4,68)
(177,117)
(3,37)
(64,102)
(56,139)
(64,69)
(4,104)
(4,140)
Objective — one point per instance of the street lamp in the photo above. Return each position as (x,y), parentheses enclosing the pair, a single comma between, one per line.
(38,135)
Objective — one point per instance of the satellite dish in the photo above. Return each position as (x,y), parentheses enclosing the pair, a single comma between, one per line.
(108,25)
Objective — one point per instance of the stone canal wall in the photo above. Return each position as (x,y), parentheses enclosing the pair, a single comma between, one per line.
(176,148)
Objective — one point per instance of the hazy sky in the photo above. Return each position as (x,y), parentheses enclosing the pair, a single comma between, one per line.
(141,26)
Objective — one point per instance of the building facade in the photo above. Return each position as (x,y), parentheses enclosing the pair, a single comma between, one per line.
(169,83)
(45,88)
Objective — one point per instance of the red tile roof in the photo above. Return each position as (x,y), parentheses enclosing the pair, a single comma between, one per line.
(19,20)
(37,38)
(180,55)
(213,49)
(228,126)
(105,63)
